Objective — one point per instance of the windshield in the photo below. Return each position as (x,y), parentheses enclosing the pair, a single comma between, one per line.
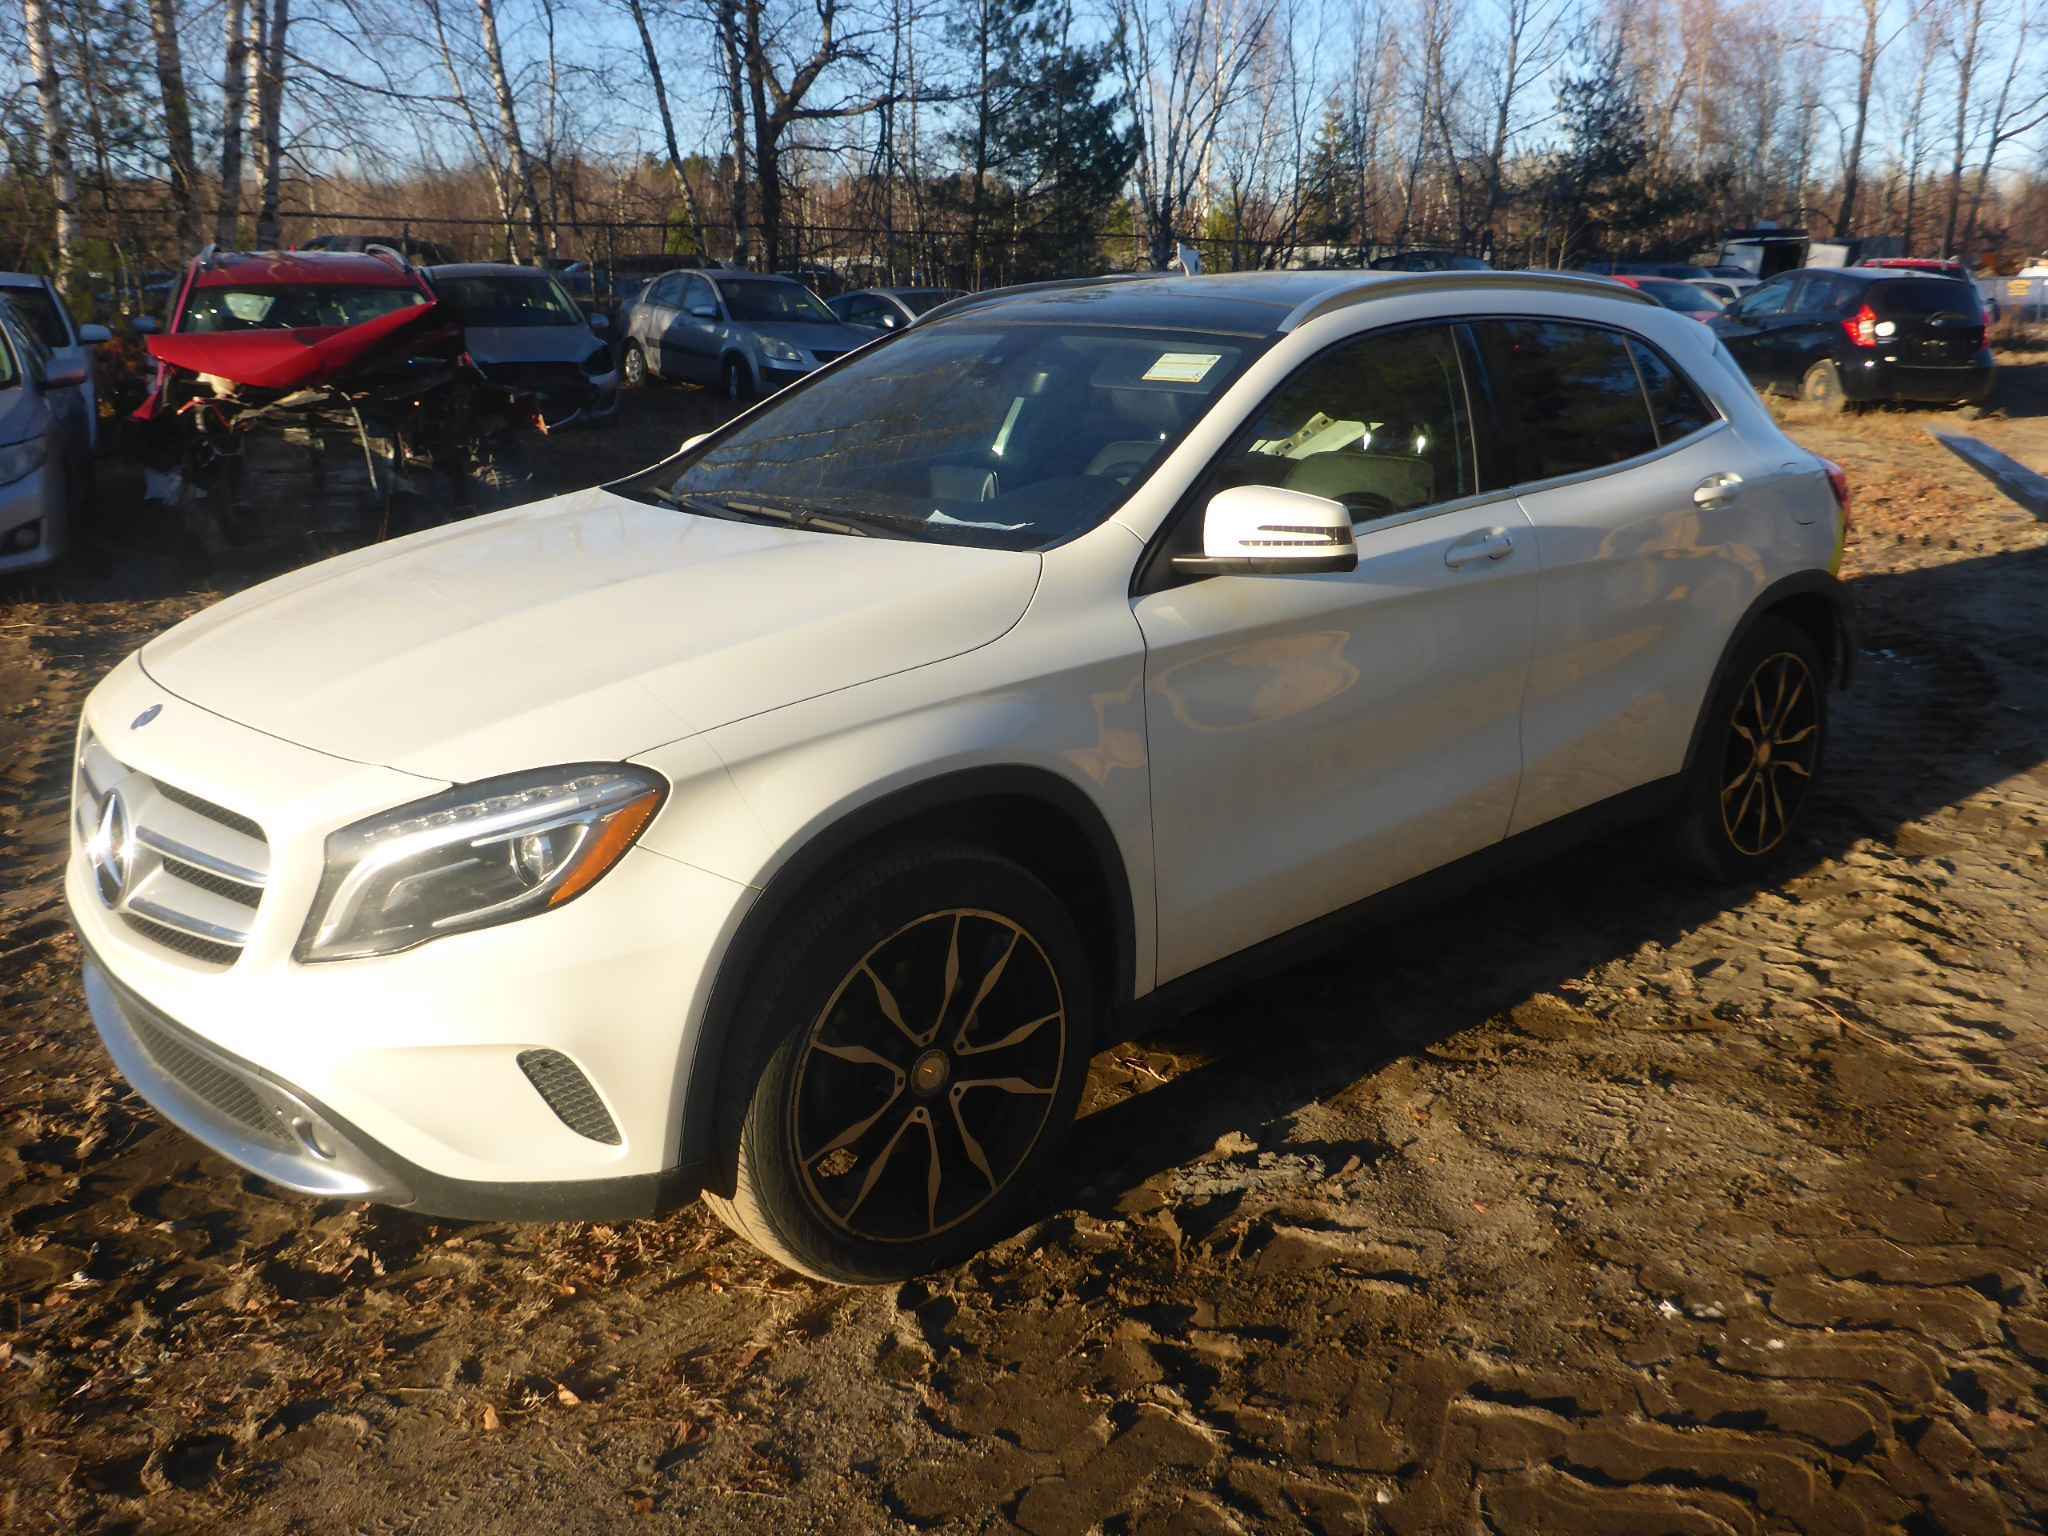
(1004,436)
(302,307)
(39,310)
(505,298)
(1683,297)
(763,301)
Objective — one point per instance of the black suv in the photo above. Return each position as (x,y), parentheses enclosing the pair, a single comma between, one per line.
(1851,335)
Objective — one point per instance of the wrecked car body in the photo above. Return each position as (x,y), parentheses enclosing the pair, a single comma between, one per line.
(348,365)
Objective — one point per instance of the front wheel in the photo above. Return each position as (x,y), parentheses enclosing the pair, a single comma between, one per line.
(737,382)
(1760,754)
(633,366)
(930,1023)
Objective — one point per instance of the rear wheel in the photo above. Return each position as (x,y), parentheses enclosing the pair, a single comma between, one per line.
(932,1021)
(1760,754)
(1822,389)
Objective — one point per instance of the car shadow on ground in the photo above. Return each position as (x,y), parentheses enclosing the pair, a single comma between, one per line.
(1925,725)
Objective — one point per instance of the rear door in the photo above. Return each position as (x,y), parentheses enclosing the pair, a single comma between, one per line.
(1641,526)
(653,313)
(1811,330)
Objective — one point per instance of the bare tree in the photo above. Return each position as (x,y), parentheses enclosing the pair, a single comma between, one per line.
(1531,39)
(267,70)
(234,92)
(42,63)
(1183,62)
(652,59)
(508,127)
(2019,109)
(170,78)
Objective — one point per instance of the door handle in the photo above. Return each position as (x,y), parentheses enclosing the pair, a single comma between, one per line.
(1717,490)
(1493,544)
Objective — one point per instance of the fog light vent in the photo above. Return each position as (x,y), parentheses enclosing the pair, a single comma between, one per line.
(569,1095)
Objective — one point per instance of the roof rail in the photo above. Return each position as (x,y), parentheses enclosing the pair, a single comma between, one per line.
(206,255)
(968,301)
(376,249)
(1375,287)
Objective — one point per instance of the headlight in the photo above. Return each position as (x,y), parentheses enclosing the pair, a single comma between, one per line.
(19,460)
(776,350)
(475,855)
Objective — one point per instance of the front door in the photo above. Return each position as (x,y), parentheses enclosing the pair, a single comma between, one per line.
(698,333)
(1750,329)
(1314,739)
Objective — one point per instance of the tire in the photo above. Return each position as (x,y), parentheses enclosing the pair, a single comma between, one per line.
(1822,389)
(736,380)
(633,372)
(860,1197)
(1741,807)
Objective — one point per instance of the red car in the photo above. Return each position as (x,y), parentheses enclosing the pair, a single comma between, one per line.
(1672,293)
(284,320)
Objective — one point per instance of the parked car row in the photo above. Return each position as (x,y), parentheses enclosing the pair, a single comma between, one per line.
(49,421)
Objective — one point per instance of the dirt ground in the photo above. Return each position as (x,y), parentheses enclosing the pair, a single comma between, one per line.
(1597,1204)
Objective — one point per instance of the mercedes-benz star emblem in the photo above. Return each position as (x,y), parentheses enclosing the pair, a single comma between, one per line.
(112,850)
(145,717)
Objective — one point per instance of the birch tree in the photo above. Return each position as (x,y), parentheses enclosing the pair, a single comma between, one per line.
(42,63)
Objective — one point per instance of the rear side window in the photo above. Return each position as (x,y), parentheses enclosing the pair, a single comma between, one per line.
(1571,394)
(1678,409)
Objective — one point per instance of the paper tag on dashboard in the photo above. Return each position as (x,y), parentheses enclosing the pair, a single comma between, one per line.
(1182,367)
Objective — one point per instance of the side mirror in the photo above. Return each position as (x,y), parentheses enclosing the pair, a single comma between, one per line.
(144,325)
(703,311)
(65,375)
(600,323)
(1262,530)
(94,335)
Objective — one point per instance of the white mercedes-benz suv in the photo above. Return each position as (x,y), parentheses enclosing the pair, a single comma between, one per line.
(784,823)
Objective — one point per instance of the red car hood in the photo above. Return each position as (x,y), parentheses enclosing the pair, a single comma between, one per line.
(284,359)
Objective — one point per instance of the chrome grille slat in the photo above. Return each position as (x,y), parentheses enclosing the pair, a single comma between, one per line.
(193,873)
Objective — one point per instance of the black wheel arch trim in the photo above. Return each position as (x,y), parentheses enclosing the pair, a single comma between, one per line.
(704,1113)
(1831,589)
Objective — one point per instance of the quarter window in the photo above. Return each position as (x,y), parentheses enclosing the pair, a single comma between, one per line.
(1572,396)
(1379,423)
(1676,406)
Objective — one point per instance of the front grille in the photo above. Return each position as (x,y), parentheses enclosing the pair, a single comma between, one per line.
(211,951)
(191,874)
(220,885)
(210,811)
(569,1094)
(222,1087)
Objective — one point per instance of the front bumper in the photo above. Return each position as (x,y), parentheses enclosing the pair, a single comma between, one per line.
(36,498)
(275,1130)
(431,1069)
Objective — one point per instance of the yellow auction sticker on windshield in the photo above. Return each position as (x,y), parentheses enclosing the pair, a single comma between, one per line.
(1182,367)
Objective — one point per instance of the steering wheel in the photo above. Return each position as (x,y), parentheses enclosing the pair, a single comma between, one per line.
(1368,504)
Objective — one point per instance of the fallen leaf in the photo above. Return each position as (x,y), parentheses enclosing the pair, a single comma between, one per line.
(491,1425)
(565,1397)
(643,1506)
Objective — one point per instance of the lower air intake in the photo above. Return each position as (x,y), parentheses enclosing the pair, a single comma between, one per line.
(569,1095)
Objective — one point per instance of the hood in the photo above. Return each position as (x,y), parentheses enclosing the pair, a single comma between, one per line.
(586,628)
(812,336)
(285,359)
(494,344)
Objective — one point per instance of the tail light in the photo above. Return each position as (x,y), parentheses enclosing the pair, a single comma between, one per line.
(1838,482)
(1862,329)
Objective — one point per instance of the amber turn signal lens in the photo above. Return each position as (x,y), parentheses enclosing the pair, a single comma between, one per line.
(615,834)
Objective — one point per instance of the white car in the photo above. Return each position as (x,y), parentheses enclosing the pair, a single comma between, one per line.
(784,822)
